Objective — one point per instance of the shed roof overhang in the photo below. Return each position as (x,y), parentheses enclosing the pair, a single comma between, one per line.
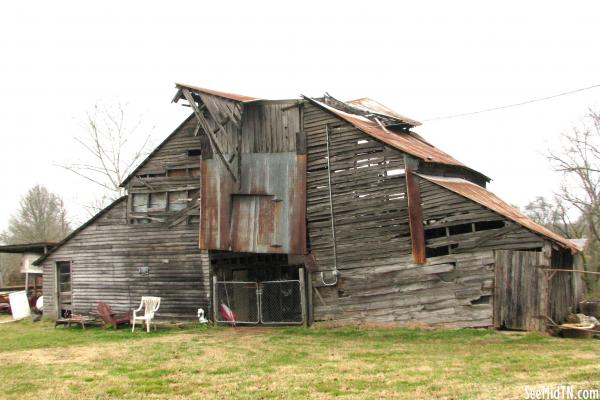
(489,200)
(36,248)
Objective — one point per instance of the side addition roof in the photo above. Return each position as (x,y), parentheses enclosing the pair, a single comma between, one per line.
(489,200)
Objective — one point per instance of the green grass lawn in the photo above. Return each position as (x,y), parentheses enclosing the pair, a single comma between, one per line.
(40,362)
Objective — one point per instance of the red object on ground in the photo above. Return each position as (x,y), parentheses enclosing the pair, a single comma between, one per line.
(110,318)
(228,313)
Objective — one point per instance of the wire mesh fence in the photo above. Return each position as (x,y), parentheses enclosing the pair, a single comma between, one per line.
(272,302)
(237,302)
(280,302)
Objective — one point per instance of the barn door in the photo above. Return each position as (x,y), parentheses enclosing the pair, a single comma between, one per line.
(519,291)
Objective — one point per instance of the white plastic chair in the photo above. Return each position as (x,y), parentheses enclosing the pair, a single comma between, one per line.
(150,306)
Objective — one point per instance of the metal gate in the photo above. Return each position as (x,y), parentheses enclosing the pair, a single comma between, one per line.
(270,302)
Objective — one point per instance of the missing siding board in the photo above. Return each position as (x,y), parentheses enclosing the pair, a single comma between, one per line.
(194,172)
(435,233)
(486,299)
(458,229)
(137,221)
(487,225)
(193,220)
(436,251)
(177,173)
(194,152)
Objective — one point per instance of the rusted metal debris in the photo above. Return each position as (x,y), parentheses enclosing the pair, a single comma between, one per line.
(225,95)
(375,107)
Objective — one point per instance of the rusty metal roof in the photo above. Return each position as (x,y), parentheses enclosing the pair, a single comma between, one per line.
(230,96)
(375,107)
(489,200)
(404,140)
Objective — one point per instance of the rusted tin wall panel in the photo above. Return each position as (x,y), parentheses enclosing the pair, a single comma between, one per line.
(216,189)
(269,205)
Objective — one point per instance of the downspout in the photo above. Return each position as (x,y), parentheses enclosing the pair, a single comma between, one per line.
(335,270)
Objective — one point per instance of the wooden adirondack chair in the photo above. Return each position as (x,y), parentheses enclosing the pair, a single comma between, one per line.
(110,318)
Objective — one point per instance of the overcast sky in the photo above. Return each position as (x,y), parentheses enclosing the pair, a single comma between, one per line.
(423,59)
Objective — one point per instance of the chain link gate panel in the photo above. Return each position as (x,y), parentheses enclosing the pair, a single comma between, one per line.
(269,302)
(281,302)
(236,302)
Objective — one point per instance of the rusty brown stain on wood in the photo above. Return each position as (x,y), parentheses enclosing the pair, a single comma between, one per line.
(415,217)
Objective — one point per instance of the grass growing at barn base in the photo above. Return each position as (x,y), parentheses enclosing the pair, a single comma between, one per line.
(38,361)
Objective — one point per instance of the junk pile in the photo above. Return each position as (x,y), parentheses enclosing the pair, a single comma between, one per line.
(584,325)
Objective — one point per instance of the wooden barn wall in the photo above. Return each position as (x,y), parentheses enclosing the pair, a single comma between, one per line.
(105,260)
(450,290)
(378,280)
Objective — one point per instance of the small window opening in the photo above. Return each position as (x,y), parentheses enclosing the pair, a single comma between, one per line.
(487,225)
(194,152)
(158,201)
(177,200)
(140,202)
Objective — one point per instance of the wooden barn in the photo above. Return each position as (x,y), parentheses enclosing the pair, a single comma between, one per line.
(311,210)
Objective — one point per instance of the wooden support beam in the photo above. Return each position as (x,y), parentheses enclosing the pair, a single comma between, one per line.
(213,141)
(415,213)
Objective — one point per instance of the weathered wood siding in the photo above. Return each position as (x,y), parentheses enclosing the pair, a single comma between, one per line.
(370,212)
(270,127)
(173,153)
(454,290)
(107,255)
(520,300)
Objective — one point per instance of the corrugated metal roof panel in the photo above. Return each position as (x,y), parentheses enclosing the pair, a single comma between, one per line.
(403,141)
(230,96)
(489,200)
(373,106)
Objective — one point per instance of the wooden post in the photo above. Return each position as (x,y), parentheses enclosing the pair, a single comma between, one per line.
(214,300)
(415,212)
(309,292)
(302,296)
